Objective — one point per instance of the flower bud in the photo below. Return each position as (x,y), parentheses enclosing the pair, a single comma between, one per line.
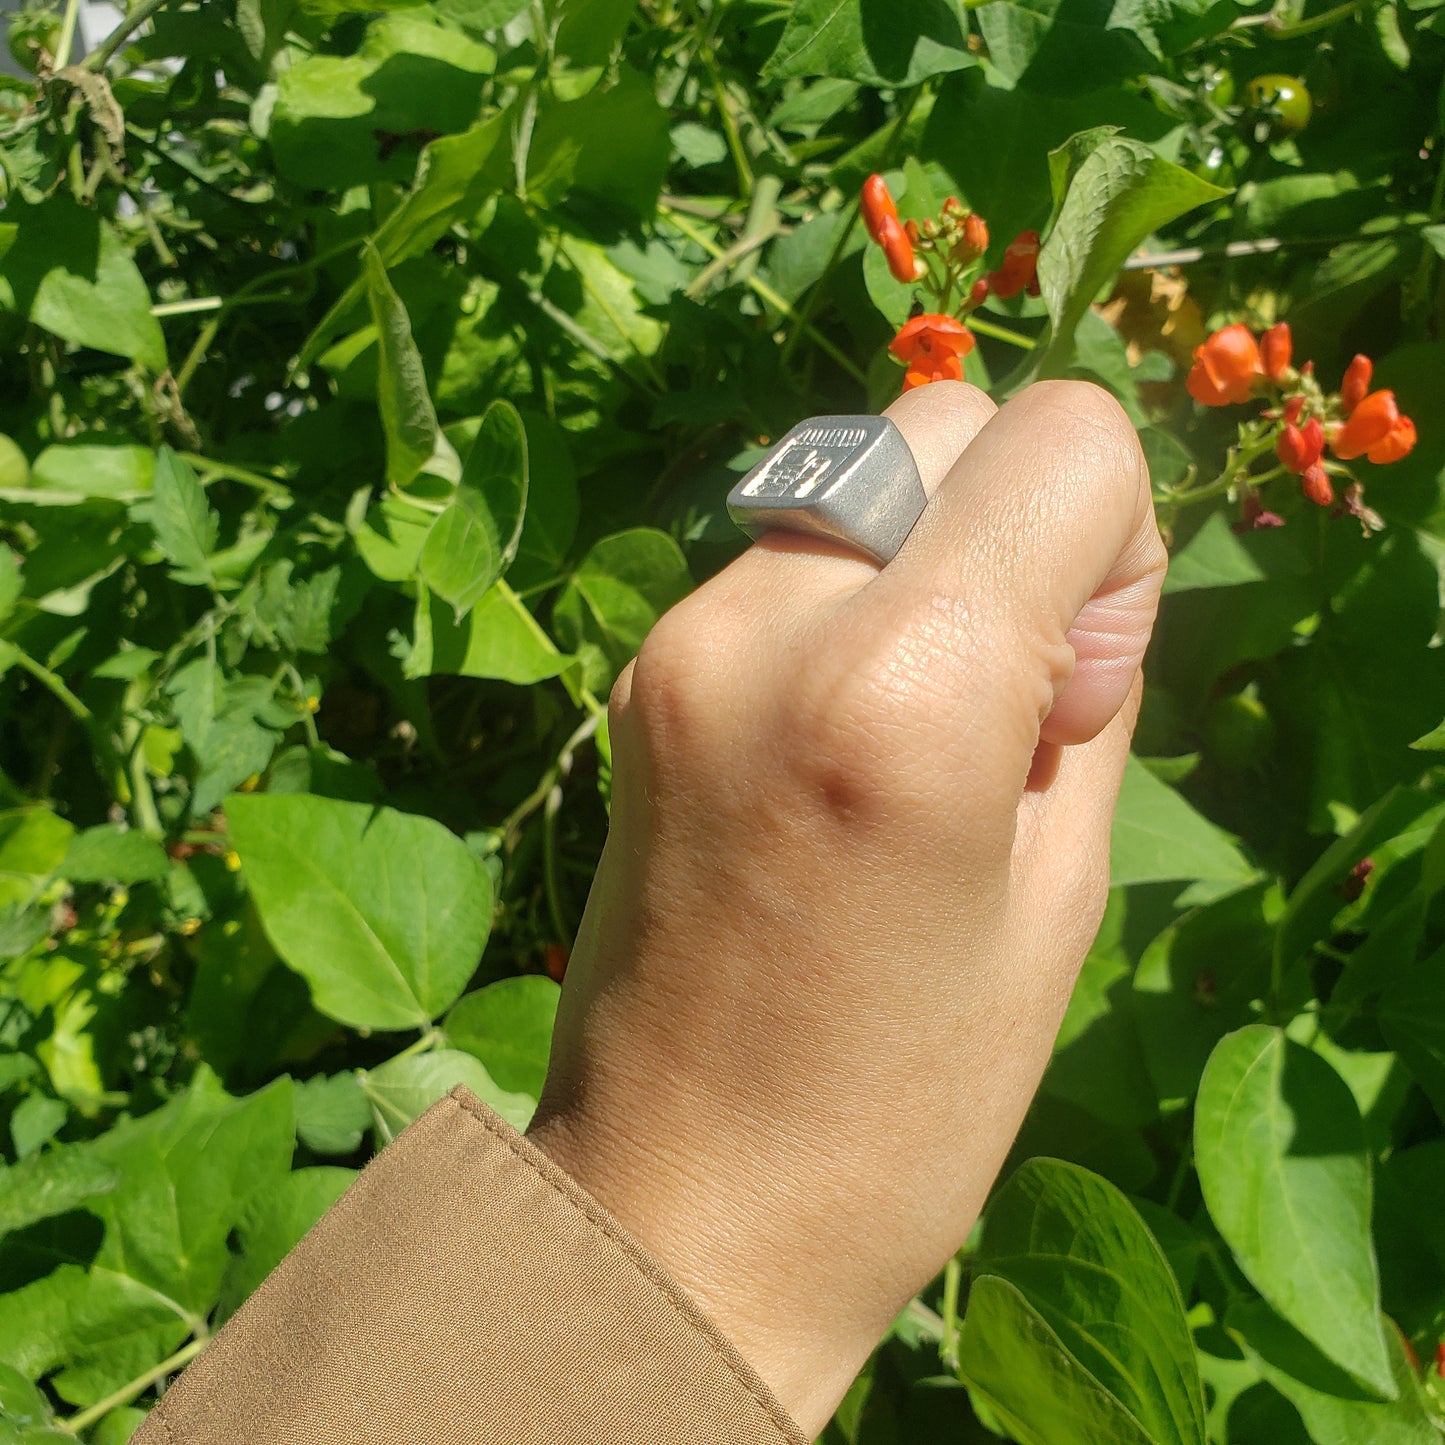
(1356,383)
(1275,348)
(877,203)
(910,229)
(953,206)
(898,249)
(1316,485)
(974,241)
(1299,448)
(1293,407)
(978,292)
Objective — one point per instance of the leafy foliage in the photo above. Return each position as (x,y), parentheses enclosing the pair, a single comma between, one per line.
(372,381)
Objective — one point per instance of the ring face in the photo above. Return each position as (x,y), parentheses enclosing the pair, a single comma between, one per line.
(848,478)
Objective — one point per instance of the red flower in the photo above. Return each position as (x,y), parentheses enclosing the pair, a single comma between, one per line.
(1293,407)
(1356,383)
(876,204)
(1275,348)
(1371,422)
(1225,368)
(934,346)
(1316,485)
(1020,269)
(1399,442)
(898,249)
(1299,448)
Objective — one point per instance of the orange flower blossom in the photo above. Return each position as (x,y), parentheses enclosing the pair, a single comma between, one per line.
(1226,367)
(934,346)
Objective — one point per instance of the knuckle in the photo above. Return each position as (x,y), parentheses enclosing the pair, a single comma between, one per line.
(675,690)
(1098,425)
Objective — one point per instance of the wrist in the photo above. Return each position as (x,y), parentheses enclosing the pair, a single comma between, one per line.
(751,1281)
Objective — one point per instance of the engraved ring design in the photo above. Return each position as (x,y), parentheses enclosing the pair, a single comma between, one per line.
(851,479)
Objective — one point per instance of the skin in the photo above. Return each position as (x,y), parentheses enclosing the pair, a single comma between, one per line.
(859,849)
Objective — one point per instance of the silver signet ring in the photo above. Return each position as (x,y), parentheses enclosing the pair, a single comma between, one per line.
(851,479)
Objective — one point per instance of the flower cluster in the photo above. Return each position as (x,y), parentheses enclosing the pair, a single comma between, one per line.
(1232,367)
(943,254)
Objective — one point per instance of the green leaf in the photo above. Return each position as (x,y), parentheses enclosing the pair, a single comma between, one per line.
(854,40)
(389,536)
(1120,193)
(12,584)
(451,184)
(185,526)
(107,854)
(591,30)
(458,559)
(619,590)
(1087,1264)
(1412,1017)
(52,1183)
(474,539)
(1064,45)
(1334,1408)
(403,1088)
(1433,741)
(508,1026)
(343,120)
(187,1173)
(499,638)
(1158,837)
(1196,982)
(33,841)
(332,1113)
(414,441)
(384,914)
(66,270)
(612,143)
(1007,179)
(119,470)
(1215,557)
(1403,820)
(275,1224)
(1285,1172)
(1041,1394)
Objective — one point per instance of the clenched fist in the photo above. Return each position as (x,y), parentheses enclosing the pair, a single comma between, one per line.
(859,848)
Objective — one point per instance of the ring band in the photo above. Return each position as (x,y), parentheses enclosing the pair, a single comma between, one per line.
(850,479)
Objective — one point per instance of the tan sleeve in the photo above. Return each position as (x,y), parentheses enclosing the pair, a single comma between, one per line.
(464,1291)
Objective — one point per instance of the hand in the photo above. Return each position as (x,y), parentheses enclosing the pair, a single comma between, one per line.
(859,847)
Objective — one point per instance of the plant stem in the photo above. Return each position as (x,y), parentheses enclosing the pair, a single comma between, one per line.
(803,317)
(1417,293)
(1321,21)
(65,43)
(1000,333)
(746,245)
(1234,472)
(53,684)
(84,1419)
(278,493)
(948,1346)
(99,58)
(538,796)
(766,294)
